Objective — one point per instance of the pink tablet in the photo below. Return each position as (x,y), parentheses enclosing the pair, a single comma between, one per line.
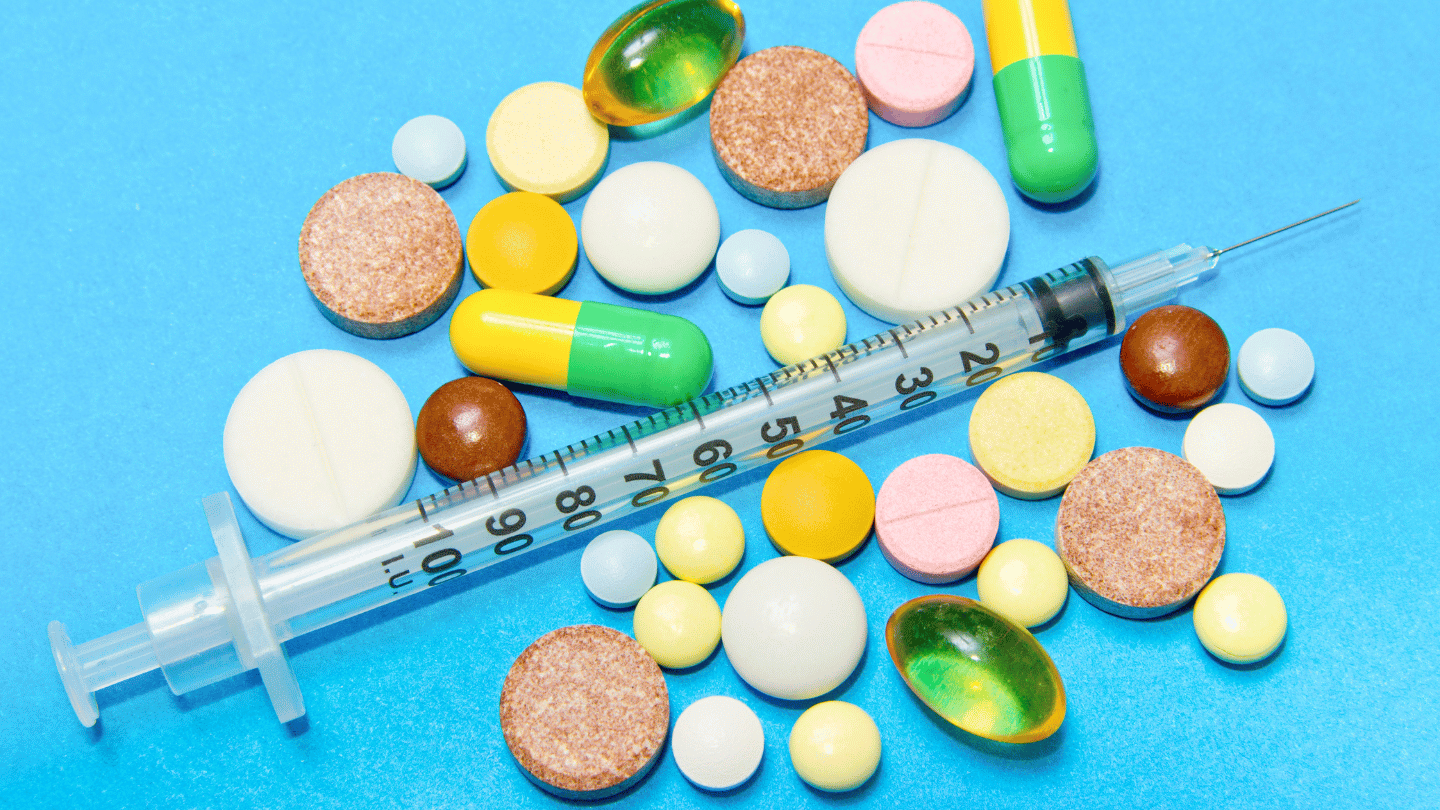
(935,518)
(914,61)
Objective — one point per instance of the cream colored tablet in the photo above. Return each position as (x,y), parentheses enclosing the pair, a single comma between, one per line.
(542,138)
(1231,445)
(800,322)
(650,228)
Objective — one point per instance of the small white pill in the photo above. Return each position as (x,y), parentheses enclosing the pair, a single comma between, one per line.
(1231,446)
(618,567)
(318,440)
(1276,366)
(718,742)
(430,149)
(650,228)
(752,265)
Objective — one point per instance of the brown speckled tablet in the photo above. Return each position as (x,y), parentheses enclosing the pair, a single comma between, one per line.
(784,124)
(1140,531)
(382,255)
(585,711)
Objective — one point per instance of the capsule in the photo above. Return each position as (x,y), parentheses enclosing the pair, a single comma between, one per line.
(1043,98)
(587,348)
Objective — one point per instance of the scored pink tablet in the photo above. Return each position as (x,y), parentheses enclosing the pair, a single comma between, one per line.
(914,61)
(935,518)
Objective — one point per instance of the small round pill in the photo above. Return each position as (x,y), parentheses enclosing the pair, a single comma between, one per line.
(1031,433)
(700,539)
(752,265)
(470,427)
(1175,358)
(935,518)
(794,628)
(1240,618)
(800,322)
(914,61)
(718,742)
(835,746)
(818,504)
(1276,366)
(1231,445)
(522,241)
(430,149)
(650,228)
(1024,581)
(542,138)
(618,568)
(678,623)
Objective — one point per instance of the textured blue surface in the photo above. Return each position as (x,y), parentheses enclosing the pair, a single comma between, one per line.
(160,157)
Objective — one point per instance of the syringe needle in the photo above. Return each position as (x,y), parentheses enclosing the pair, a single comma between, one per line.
(1215,253)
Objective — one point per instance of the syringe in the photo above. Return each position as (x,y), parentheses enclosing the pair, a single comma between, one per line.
(231,613)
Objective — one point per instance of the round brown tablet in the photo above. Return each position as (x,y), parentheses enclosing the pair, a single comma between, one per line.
(1140,531)
(784,124)
(470,427)
(585,711)
(381,253)
(1175,358)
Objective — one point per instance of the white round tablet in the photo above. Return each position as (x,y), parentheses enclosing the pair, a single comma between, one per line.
(793,627)
(430,149)
(752,265)
(318,440)
(1276,366)
(718,742)
(650,228)
(1231,446)
(618,567)
(914,226)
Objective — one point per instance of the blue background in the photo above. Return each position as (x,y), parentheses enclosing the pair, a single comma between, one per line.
(159,159)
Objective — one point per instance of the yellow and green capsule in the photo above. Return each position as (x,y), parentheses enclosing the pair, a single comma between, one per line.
(1043,98)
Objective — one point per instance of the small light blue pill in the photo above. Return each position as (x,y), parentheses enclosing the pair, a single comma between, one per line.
(618,567)
(430,149)
(1275,366)
(752,265)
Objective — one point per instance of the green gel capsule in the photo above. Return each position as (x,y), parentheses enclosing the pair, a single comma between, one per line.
(976,668)
(660,58)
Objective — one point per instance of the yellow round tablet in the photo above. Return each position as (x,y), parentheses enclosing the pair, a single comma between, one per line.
(522,241)
(678,623)
(1240,618)
(542,138)
(800,322)
(1031,433)
(700,539)
(1024,581)
(817,504)
(835,746)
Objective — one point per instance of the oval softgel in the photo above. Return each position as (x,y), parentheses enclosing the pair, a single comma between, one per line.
(588,348)
(1043,98)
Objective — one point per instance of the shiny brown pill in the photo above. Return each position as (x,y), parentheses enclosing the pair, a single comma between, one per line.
(470,427)
(1175,358)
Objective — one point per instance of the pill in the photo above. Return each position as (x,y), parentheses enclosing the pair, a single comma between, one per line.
(542,138)
(660,58)
(718,742)
(976,668)
(381,255)
(588,349)
(752,265)
(1231,446)
(835,746)
(470,427)
(784,123)
(1175,359)
(584,710)
(1240,618)
(914,226)
(1140,531)
(650,228)
(522,241)
(678,623)
(618,567)
(1276,366)
(430,149)
(800,322)
(793,628)
(317,440)
(1043,98)
(914,61)
(700,539)
(818,504)
(935,518)
(1031,433)
(1024,581)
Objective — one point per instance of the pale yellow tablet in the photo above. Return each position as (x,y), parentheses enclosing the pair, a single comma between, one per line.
(542,138)
(1031,433)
